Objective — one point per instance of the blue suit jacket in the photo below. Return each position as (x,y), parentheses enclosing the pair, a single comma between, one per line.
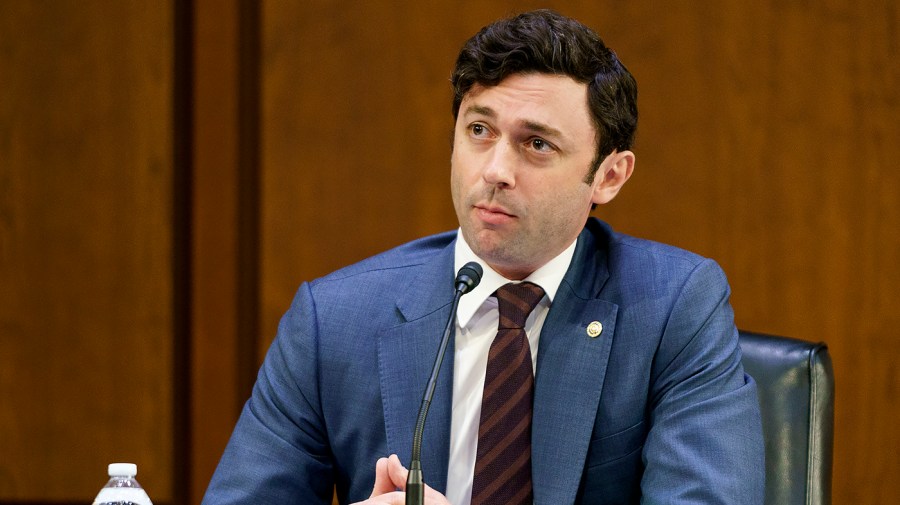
(657,409)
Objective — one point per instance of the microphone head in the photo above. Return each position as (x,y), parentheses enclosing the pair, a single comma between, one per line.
(468,277)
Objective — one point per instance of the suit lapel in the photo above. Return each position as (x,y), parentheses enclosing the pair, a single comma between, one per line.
(406,355)
(570,375)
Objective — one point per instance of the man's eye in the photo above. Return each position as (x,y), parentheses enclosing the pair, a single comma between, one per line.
(540,145)
(478,129)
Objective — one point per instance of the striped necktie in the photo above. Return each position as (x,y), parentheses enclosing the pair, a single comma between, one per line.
(503,461)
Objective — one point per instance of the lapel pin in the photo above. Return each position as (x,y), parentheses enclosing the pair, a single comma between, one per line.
(594,329)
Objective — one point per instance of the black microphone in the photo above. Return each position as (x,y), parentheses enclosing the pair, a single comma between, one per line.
(466,279)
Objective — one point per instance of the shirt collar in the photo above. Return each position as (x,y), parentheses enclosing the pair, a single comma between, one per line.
(548,277)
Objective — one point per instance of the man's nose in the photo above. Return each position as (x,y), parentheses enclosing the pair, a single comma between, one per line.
(500,165)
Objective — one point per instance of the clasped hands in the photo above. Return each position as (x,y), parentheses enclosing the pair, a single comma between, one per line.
(390,481)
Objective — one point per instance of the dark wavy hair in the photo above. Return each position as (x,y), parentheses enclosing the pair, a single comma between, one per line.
(544,41)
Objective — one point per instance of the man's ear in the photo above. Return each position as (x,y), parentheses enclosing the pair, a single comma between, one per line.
(611,176)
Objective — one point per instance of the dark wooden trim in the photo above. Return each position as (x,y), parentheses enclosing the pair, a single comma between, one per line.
(224,205)
(248,247)
(182,130)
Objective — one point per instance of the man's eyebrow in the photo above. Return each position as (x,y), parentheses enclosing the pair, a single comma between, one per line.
(541,128)
(481,110)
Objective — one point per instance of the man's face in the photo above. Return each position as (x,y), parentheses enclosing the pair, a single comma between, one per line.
(521,152)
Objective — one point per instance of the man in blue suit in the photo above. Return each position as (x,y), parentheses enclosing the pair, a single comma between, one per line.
(638,391)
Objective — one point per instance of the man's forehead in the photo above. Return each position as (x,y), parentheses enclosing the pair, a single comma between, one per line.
(521,77)
(544,103)
(535,88)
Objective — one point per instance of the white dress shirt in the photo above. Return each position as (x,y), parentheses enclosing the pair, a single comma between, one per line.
(476,326)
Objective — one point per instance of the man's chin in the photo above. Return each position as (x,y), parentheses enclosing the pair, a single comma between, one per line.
(487,244)
(503,260)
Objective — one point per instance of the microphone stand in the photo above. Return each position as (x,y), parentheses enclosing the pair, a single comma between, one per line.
(468,277)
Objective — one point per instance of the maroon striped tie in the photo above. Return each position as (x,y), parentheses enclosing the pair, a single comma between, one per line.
(503,462)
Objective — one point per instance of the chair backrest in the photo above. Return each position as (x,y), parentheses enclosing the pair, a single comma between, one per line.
(796,397)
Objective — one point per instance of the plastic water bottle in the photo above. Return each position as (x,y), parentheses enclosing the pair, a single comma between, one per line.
(122,488)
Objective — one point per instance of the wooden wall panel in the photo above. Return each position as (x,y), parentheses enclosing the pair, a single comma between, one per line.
(86,356)
(767,141)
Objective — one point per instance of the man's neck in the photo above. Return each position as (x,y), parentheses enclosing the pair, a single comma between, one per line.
(548,276)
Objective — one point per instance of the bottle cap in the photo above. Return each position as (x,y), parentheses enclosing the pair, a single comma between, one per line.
(122,469)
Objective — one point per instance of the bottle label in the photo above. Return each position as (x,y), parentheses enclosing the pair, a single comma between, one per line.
(122,495)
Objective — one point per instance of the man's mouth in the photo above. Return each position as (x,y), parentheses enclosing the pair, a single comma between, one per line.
(493,214)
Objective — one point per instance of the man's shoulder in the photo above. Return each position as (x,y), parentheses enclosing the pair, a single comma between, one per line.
(646,262)
(623,247)
(632,248)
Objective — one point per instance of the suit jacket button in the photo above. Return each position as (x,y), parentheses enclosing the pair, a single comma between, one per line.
(594,329)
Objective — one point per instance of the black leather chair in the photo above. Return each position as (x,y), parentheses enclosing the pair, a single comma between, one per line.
(796,397)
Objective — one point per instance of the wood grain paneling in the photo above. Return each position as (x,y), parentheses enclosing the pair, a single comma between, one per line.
(86,354)
(768,140)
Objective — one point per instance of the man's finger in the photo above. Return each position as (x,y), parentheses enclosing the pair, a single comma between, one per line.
(383,482)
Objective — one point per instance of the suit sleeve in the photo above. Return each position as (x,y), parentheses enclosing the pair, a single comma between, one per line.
(705,443)
(279,453)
